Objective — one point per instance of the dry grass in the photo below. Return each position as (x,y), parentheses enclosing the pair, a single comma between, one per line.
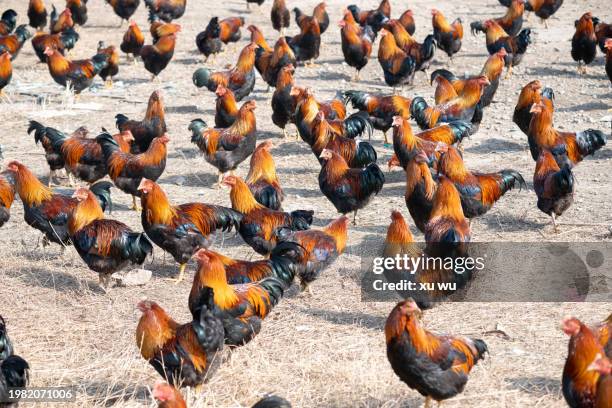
(328,349)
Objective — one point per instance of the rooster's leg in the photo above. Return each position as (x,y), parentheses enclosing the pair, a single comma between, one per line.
(219,181)
(181,274)
(285,132)
(108,84)
(355,218)
(71,180)
(428,402)
(554,221)
(386,139)
(135,206)
(509,73)
(356,77)
(51,175)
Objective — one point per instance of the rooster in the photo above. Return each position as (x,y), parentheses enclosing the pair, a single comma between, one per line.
(37,14)
(182,229)
(306,44)
(7,195)
(407,21)
(183,354)
(145,131)
(8,21)
(492,70)
(6,71)
(479,191)
(45,210)
(133,40)
(584,42)
(319,13)
(226,109)
(608,46)
(541,8)
(283,103)
(78,8)
(127,170)
(349,190)
(272,401)
(447,232)
(530,94)
(357,154)
(448,36)
(260,224)
(62,42)
(422,53)
(241,307)
(515,47)
(280,16)
(579,382)
(61,22)
(75,75)
(227,148)
(356,43)
(407,145)
(320,248)
(262,179)
(420,189)
(381,109)
(156,57)
(375,18)
(258,38)
(567,147)
(14,42)
(436,366)
(269,63)
(398,67)
(82,156)
(603,31)
(159,29)
(308,107)
(240,79)
(461,107)
(511,22)
(553,186)
(112,68)
(168,396)
(125,9)
(166,10)
(106,246)
(229,29)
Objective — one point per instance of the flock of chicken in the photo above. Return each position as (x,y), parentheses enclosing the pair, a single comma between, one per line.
(230,298)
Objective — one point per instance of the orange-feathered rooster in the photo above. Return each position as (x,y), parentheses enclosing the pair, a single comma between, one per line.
(262,179)
(492,70)
(7,195)
(157,56)
(182,229)
(381,108)
(319,13)
(567,147)
(127,170)
(78,8)
(479,191)
(579,382)
(356,153)
(105,245)
(47,211)
(461,107)
(240,79)
(321,248)
(422,53)
(124,8)
(584,42)
(260,224)
(398,67)
(62,42)
(553,186)
(356,43)
(307,43)
(280,16)
(283,103)
(269,63)
(374,18)
(437,366)
(349,190)
(226,110)
(112,69)
(61,22)
(77,75)
(168,396)
(185,355)
(133,40)
(603,366)
(530,94)
(420,189)
(14,42)
(258,38)
(515,47)
(37,14)
(448,36)
(511,22)
(242,307)
(6,71)
(307,108)
(144,131)
(227,148)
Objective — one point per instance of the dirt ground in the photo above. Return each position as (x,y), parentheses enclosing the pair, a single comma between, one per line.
(324,350)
